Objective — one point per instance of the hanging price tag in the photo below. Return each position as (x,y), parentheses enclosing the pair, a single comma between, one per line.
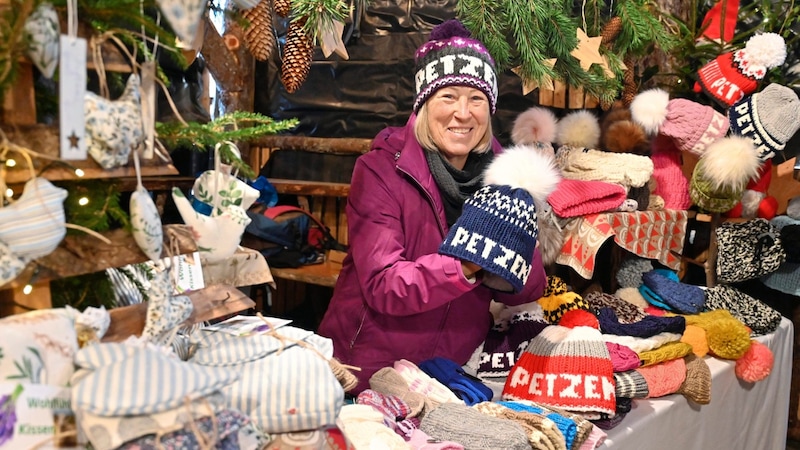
(71,90)
(148,92)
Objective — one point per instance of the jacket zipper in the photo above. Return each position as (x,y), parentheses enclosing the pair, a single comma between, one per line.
(360,325)
(441,230)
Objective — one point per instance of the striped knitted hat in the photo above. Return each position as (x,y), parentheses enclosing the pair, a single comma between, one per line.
(568,368)
(451,57)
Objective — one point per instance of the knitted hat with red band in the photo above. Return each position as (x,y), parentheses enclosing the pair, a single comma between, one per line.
(567,368)
(573,198)
(732,75)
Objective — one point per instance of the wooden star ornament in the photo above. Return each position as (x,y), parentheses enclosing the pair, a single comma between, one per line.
(588,50)
(529,86)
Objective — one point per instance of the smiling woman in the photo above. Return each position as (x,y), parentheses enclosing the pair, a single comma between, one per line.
(398,296)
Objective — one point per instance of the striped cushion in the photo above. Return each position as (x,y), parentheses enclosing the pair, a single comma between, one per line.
(224,349)
(289,391)
(33,226)
(100,355)
(146,382)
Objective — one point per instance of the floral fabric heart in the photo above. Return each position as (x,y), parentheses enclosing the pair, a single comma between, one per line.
(183,16)
(219,188)
(165,311)
(113,128)
(42,31)
(146,223)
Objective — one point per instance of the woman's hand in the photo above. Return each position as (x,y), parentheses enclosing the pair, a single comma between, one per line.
(470,269)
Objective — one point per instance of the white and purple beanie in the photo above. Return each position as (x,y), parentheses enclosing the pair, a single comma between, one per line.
(451,57)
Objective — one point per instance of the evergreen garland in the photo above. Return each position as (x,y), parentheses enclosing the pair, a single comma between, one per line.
(238,126)
(319,14)
(527,33)
(102,212)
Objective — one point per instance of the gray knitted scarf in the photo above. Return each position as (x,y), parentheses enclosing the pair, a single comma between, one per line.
(456,185)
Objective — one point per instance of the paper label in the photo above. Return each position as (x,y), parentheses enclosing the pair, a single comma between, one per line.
(148,93)
(190,273)
(42,417)
(71,90)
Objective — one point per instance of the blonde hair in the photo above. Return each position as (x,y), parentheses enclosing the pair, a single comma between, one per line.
(422,131)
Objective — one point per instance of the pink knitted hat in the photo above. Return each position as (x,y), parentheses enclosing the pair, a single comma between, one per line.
(690,125)
(693,126)
(573,198)
(664,378)
(671,183)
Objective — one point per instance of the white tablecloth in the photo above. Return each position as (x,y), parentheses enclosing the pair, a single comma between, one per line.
(740,416)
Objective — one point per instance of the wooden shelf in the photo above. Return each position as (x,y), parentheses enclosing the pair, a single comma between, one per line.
(324,274)
(83,254)
(44,139)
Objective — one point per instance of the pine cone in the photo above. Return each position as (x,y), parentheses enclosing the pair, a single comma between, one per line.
(297,56)
(282,7)
(259,35)
(629,89)
(611,30)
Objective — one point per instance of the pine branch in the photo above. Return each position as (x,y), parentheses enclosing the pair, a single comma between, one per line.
(319,13)
(487,21)
(524,19)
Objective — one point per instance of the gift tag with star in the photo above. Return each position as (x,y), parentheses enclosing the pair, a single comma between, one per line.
(71,89)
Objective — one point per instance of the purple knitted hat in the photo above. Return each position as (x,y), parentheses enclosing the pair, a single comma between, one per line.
(451,57)
(681,297)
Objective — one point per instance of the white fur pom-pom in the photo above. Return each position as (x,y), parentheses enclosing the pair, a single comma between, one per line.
(766,49)
(524,167)
(731,162)
(649,109)
(534,125)
(579,129)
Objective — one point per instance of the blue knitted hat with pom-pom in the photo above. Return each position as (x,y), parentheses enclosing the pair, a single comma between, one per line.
(451,57)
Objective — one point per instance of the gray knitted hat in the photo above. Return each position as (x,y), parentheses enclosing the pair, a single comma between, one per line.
(473,429)
(769,117)
(631,384)
(630,271)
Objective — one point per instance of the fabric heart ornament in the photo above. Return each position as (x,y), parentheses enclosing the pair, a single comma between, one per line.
(145,220)
(214,187)
(217,236)
(42,33)
(165,311)
(114,127)
(34,225)
(214,190)
(183,16)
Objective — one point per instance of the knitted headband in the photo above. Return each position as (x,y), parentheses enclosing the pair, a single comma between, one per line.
(453,58)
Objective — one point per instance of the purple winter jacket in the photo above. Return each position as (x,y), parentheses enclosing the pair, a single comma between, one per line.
(396,296)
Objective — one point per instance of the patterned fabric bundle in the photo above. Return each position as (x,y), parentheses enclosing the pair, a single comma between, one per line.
(748,250)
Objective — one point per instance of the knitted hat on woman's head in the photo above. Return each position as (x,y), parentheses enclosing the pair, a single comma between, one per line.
(568,368)
(690,125)
(732,75)
(722,173)
(498,228)
(770,118)
(451,57)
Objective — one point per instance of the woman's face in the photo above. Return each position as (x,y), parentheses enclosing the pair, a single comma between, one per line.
(458,117)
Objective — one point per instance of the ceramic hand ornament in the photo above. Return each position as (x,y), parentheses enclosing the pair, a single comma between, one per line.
(217,236)
(113,128)
(31,227)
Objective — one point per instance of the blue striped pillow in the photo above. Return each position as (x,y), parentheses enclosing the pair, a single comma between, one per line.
(223,349)
(146,382)
(289,391)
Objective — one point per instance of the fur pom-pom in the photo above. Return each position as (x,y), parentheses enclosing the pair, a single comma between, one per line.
(551,237)
(522,166)
(578,129)
(766,49)
(534,125)
(793,208)
(448,29)
(730,162)
(750,201)
(756,363)
(649,109)
(626,136)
